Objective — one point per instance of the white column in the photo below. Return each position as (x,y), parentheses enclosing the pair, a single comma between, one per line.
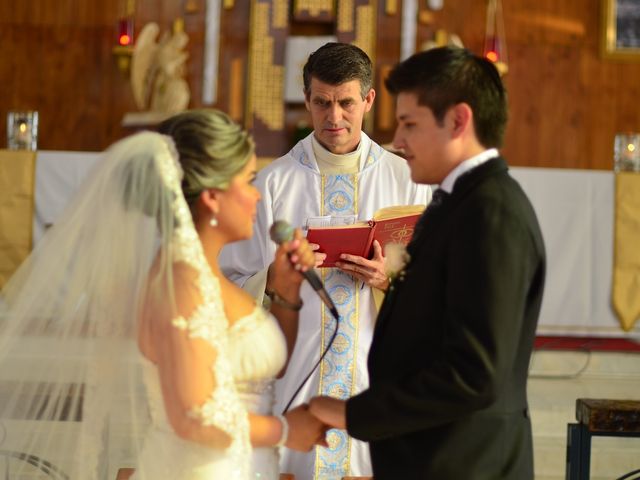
(211,52)
(408,31)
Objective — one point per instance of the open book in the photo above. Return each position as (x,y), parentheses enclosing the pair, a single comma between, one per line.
(389,225)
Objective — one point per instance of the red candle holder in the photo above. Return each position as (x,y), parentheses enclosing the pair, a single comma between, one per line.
(125,32)
(492,50)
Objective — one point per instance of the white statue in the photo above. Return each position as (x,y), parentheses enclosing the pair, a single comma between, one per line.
(158,70)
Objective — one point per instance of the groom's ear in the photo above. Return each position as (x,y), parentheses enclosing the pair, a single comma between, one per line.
(461,119)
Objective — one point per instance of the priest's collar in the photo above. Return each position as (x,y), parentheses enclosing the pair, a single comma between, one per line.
(331,163)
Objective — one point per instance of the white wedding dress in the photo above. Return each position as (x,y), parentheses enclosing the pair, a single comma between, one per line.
(80,292)
(257,352)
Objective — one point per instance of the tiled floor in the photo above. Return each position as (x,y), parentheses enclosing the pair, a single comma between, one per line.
(556,380)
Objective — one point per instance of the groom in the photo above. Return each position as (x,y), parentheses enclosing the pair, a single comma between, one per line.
(449,358)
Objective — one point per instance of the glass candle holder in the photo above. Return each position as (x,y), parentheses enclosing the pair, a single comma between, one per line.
(626,152)
(125,31)
(22,130)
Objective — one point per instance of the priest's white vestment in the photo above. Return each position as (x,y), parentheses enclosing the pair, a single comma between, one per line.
(293,189)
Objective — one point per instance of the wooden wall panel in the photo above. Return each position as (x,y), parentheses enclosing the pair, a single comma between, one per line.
(234,43)
(547,44)
(566,102)
(56,58)
(389,20)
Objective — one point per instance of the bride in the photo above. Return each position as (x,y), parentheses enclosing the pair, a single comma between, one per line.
(125,290)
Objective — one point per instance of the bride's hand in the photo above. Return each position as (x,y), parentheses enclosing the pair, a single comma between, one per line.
(305,430)
(291,258)
(300,252)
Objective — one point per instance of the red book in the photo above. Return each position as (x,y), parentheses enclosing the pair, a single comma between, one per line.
(388,225)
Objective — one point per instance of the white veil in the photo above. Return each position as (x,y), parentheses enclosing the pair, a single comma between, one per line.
(72,401)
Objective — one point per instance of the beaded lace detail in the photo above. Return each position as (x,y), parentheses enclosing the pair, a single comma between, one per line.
(222,409)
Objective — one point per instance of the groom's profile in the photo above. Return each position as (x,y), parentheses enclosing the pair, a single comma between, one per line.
(448,363)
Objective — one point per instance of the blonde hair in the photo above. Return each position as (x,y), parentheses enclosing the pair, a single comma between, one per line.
(212,149)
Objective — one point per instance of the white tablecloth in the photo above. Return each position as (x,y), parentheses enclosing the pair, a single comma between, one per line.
(58,176)
(575,209)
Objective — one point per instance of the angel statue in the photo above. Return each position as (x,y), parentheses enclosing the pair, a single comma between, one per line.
(158,70)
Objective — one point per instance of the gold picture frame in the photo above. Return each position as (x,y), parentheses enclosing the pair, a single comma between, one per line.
(621,29)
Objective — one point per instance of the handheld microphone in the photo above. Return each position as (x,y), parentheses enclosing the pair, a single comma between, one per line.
(281,232)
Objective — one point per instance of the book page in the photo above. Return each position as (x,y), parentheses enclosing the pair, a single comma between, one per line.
(330,221)
(396,211)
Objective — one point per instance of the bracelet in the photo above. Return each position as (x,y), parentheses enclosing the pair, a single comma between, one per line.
(278,300)
(284,436)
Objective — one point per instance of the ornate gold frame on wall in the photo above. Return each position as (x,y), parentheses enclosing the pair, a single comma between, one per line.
(610,48)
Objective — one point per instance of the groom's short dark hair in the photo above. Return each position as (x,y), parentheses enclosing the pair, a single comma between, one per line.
(443,77)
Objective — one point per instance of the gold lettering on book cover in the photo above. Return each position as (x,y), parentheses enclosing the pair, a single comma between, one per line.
(265,89)
(402,235)
(345,16)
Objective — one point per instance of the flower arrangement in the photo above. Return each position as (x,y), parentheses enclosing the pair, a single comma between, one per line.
(396,258)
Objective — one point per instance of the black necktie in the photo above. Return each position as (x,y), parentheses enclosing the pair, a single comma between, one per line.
(438,197)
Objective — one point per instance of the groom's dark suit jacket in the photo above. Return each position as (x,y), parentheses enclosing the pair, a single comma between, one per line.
(450,353)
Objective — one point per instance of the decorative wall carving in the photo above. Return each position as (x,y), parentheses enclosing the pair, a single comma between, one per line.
(158,71)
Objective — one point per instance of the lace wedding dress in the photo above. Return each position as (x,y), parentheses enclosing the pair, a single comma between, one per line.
(72,401)
(257,352)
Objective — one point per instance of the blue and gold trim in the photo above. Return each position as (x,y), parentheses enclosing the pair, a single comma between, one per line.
(339,196)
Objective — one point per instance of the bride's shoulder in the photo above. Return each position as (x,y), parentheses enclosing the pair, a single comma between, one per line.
(175,292)
(237,302)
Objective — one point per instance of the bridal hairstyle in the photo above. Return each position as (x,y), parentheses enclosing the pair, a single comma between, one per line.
(72,400)
(212,148)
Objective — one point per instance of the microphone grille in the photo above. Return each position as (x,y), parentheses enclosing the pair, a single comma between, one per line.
(281,231)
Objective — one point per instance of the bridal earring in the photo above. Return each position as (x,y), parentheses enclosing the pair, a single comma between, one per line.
(214,221)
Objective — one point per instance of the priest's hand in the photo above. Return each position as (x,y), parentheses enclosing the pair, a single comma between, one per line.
(371,272)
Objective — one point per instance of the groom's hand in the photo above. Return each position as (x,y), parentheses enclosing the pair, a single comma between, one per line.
(331,411)
(305,430)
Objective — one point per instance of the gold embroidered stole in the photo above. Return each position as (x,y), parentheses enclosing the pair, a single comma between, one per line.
(17,174)
(626,263)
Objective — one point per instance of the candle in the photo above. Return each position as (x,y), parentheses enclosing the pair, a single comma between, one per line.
(22,130)
(627,152)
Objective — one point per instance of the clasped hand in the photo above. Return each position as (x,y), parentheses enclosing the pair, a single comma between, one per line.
(305,430)
(308,424)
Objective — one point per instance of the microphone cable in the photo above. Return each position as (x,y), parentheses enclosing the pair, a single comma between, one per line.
(324,354)
(280,232)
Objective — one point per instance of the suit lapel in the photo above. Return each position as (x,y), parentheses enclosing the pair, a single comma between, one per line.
(432,221)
